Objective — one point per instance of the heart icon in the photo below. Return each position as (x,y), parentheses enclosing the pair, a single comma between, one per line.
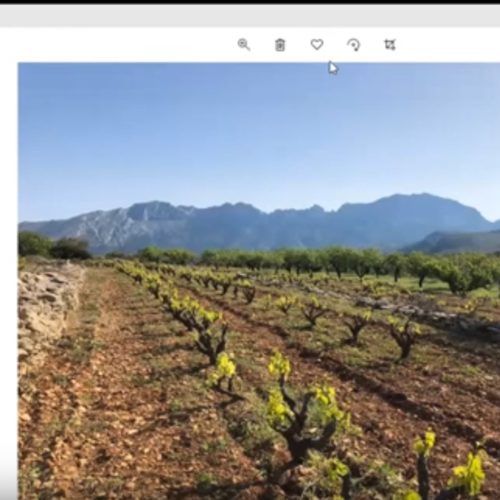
(317,43)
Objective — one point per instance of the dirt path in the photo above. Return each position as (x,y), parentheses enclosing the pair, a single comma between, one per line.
(120,410)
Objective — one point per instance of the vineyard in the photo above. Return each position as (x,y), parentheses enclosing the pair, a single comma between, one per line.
(237,378)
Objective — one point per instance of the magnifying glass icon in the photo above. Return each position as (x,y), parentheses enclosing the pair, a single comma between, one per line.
(243,43)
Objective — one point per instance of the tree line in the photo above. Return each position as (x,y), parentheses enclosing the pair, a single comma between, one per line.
(462,272)
(30,243)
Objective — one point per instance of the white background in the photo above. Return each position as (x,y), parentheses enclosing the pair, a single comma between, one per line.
(220,44)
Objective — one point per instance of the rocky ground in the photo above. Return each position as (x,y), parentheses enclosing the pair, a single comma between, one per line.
(120,408)
(45,296)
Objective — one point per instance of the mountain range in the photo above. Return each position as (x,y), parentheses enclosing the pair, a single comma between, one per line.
(390,223)
(443,242)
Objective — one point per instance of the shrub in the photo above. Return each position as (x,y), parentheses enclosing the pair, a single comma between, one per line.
(285,303)
(300,260)
(115,255)
(187,276)
(396,264)
(225,282)
(208,341)
(422,266)
(330,474)
(211,343)
(404,333)
(70,248)
(306,423)
(225,371)
(465,273)
(356,322)
(337,259)
(178,256)
(466,480)
(153,285)
(149,254)
(30,243)
(313,310)
(248,291)
(362,261)
(206,279)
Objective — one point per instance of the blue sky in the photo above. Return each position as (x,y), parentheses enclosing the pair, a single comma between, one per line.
(102,136)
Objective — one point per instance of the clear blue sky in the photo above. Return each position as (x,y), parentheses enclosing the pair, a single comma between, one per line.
(102,136)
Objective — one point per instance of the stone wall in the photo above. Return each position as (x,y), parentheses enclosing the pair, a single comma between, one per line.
(45,297)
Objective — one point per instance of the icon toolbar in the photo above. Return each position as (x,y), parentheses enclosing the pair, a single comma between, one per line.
(317,43)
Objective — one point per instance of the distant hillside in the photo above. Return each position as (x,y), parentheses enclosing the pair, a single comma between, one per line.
(389,223)
(441,242)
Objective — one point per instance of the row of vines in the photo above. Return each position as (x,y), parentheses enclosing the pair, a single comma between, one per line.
(310,421)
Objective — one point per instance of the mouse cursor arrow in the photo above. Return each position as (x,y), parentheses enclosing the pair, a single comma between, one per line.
(332,68)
